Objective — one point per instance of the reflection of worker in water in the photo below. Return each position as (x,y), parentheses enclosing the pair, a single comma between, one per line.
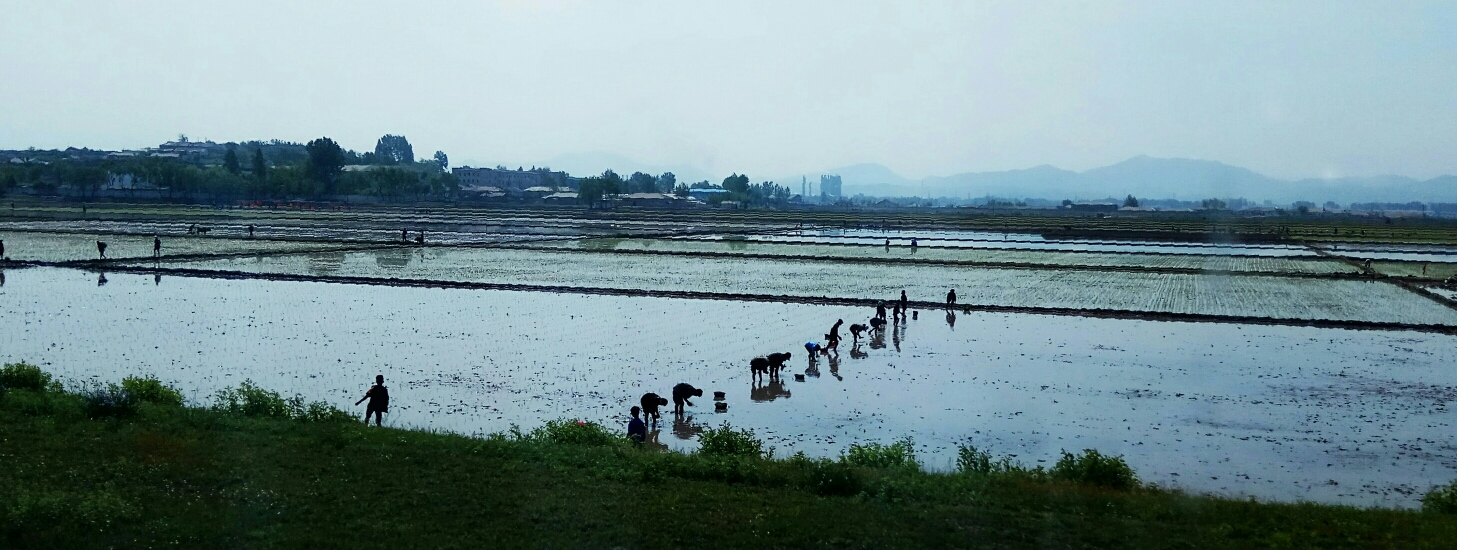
(101,249)
(379,401)
(156,279)
(951,318)
(684,428)
(761,393)
(101,280)
(835,367)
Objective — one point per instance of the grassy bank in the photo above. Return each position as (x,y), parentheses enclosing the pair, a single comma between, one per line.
(130,466)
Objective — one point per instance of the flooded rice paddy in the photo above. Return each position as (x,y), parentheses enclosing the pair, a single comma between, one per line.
(68,247)
(900,252)
(1274,412)
(1252,296)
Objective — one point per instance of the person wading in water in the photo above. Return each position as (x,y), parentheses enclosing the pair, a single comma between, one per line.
(379,401)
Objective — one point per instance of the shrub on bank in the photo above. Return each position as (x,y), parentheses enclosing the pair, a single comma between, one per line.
(1095,468)
(901,454)
(22,376)
(150,390)
(575,432)
(110,401)
(1441,500)
(727,441)
(250,400)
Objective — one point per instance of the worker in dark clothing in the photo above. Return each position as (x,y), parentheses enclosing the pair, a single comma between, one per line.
(904,302)
(951,298)
(635,427)
(250,231)
(681,393)
(880,311)
(156,246)
(379,401)
(405,235)
(101,249)
(2,249)
(833,338)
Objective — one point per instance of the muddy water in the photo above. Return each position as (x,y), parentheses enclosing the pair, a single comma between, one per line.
(1278,413)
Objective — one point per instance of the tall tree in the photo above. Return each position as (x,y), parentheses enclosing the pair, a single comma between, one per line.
(260,166)
(326,160)
(1130,201)
(392,149)
(230,162)
(639,182)
(667,182)
(737,184)
(442,160)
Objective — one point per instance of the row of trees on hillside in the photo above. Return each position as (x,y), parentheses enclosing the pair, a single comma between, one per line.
(595,189)
(247,174)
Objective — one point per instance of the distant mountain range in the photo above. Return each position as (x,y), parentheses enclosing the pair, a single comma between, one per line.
(1141,176)
(1147,177)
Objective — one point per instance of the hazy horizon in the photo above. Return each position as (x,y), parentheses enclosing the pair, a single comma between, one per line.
(1290,91)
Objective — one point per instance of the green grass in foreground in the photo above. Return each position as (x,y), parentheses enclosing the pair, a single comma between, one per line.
(127,466)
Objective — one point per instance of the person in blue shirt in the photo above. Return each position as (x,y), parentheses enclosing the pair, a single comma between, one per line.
(635,427)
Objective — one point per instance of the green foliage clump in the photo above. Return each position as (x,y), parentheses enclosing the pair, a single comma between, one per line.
(727,441)
(150,390)
(971,460)
(576,432)
(1095,468)
(901,454)
(110,401)
(22,376)
(1441,500)
(827,477)
(250,400)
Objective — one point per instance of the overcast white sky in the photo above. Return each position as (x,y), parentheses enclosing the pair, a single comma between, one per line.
(1290,89)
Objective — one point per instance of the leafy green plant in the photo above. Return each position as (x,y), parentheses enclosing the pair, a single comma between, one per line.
(1441,500)
(727,441)
(250,400)
(110,401)
(575,432)
(901,454)
(1095,468)
(22,376)
(150,390)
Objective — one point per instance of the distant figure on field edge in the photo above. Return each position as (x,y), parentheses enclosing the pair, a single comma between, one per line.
(379,401)
(951,298)
(156,246)
(101,249)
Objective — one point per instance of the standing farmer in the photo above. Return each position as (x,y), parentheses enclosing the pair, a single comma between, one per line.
(379,401)
(101,249)
(156,246)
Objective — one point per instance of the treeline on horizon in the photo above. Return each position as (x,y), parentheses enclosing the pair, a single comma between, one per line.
(281,170)
(253,170)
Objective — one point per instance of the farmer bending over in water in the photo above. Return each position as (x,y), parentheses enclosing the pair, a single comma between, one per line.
(379,401)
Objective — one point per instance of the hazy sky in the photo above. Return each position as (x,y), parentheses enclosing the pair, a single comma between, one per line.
(1290,89)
